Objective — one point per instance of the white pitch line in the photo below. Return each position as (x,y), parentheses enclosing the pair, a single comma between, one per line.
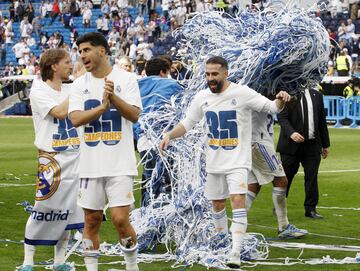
(335,171)
(339,208)
(15,184)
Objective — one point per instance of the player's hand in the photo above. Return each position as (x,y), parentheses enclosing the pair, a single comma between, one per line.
(283,96)
(325,152)
(296,137)
(106,102)
(109,88)
(164,143)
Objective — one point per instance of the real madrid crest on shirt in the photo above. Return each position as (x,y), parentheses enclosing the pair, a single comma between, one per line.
(49,176)
(118,89)
(233,102)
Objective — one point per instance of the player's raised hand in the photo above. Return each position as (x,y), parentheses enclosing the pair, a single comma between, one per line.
(164,143)
(283,96)
(109,87)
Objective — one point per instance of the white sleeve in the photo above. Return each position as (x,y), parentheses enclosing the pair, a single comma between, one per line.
(193,114)
(258,102)
(132,93)
(41,102)
(76,102)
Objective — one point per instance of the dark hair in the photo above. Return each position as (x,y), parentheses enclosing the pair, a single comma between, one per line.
(49,58)
(218,60)
(167,58)
(155,65)
(95,39)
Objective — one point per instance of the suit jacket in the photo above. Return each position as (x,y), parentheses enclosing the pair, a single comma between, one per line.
(291,120)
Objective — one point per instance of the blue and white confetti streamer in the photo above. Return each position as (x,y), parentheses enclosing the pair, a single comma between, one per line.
(268,50)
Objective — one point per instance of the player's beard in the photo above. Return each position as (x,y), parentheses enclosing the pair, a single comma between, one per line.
(215,88)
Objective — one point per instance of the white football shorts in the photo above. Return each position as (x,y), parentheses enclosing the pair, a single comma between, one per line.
(95,193)
(221,186)
(265,164)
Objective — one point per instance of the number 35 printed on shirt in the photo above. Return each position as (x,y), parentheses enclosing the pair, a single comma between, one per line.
(223,129)
(107,128)
(66,135)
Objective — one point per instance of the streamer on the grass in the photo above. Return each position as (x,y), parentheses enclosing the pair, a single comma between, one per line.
(268,50)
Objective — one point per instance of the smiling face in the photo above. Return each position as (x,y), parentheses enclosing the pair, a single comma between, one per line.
(215,77)
(91,56)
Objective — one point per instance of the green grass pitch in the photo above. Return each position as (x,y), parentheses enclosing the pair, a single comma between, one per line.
(337,189)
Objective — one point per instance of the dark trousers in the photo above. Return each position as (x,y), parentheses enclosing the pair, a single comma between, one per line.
(309,157)
(155,178)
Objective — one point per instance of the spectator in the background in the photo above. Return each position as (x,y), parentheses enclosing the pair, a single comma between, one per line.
(125,63)
(353,9)
(165,7)
(31,41)
(142,8)
(30,12)
(355,50)
(3,54)
(19,11)
(350,30)
(87,17)
(341,32)
(49,8)
(114,10)
(105,8)
(181,14)
(332,35)
(74,55)
(346,51)
(9,34)
(66,17)
(55,11)
(131,31)
(43,9)
(126,47)
(122,4)
(140,62)
(190,6)
(74,8)
(105,24)
(99,23)
(73,36)
(342,64)
(113,35)
(18,49)
(25,28)
(37,25)
(12,11)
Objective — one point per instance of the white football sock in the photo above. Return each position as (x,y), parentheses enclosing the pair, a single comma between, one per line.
(220,221)
(279,200)
(60,248)
(250,197)
(238,228)
(29,252)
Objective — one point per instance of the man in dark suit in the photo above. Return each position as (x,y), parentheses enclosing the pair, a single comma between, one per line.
(303,138)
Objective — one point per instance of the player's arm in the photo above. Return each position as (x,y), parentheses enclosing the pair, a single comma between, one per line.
(281,98)
(128,111)
(80,117)
(286,126)
(177,131)
(193,116)
(60,111)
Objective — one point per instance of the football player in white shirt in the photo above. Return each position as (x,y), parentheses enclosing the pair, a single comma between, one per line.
(105,101)
(55,211)
(227,108)
(266,168)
